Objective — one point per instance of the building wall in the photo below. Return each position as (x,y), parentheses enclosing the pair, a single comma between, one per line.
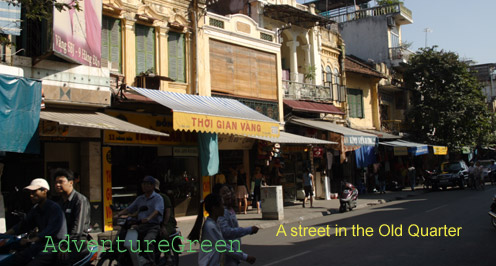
(367,38)
(243,32)
(370,101)
(162,15)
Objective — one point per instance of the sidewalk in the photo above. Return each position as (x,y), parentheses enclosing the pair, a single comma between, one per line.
(297,213)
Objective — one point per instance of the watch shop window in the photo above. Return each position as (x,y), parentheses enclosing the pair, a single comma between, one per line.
(145,49)
(177,61)
(355,103)
(111,44)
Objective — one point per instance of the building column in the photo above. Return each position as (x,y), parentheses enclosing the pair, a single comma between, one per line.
(129,46)
(162,54)
(316,60)
(187,68)
(293,59)
(308,62)
(91,179)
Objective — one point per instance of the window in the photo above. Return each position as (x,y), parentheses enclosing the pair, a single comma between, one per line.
(328,74)
(355,103)
(111,44)
(145,49)
(177,62)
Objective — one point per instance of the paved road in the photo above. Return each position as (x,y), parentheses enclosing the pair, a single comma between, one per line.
(465,211)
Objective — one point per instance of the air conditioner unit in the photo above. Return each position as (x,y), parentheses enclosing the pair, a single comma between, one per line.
(391,22)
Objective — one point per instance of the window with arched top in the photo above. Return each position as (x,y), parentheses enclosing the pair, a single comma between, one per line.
(336,76)
(328,74)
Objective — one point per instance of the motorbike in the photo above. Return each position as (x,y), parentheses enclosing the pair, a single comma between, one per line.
(348,197)
(130,234)
(492,212)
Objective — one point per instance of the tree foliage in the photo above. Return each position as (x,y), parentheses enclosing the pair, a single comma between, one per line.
(448,106)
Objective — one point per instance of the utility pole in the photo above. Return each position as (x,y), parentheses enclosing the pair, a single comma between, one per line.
(426,30)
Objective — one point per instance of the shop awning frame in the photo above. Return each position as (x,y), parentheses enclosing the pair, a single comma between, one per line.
(288,138)
(95,120)
(401,147)
(351,137)
(212,114)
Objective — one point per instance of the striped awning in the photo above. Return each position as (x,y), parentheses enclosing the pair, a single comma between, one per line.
(351,137)
(402,147)
(288,138)
(212,114)
(95,120)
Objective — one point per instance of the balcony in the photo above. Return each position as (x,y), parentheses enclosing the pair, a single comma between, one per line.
(305,91)
(401,14)
(399,55)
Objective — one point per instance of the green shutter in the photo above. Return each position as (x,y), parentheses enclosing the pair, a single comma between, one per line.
(115,45)
(105,40)
(172,51)
(140,32)
(180,59)
(150,50)
(355,102)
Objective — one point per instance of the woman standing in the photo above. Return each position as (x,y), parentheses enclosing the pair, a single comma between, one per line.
(241,191)
(258,179)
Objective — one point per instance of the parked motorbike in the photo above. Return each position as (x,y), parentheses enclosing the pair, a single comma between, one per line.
(348,197)
(492,212)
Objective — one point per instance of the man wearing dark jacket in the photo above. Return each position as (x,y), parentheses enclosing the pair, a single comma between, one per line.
(76,208)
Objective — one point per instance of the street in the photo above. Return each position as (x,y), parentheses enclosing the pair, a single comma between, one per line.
(421,230)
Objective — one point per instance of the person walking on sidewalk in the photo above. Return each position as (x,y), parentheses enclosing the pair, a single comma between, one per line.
(308,183)
(412,175)
(229,226)
(209,230)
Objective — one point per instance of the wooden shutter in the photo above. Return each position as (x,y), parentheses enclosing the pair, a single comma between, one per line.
(115,46)
(140,32)
(172,51)
(105,40)
(355,102)
(150,49)
(181,59)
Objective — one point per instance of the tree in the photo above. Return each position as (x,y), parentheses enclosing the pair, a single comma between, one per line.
(448,106)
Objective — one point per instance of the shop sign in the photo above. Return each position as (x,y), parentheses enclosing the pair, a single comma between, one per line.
(54,129)
(162,123)
(440,150)
(400,151)
(226,125)
(317,152)
(360,140)
(420,150)
(234,142)
(185,151)
(107,188)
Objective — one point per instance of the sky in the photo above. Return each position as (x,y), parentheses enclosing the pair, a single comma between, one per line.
(467,28)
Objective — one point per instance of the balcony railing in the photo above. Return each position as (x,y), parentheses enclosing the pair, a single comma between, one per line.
(368,12)
(305,91)
(399,53)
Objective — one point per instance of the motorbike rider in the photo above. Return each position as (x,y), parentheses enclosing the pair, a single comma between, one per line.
(150,218)
(168,225)
(76,208)
(48,217)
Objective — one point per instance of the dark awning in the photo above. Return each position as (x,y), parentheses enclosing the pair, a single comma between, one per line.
(303,106)
(295,16)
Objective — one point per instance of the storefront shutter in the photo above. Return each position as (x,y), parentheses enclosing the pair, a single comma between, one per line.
(172,47)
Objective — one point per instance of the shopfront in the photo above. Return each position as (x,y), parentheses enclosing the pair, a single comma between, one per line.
(172,159)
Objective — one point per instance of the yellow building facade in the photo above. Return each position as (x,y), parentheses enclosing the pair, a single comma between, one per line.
(148,38)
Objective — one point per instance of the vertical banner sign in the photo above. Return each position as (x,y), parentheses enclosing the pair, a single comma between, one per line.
(77,33)
(107,188)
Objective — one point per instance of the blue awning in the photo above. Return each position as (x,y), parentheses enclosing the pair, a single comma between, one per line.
(20,104)
(401,147)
